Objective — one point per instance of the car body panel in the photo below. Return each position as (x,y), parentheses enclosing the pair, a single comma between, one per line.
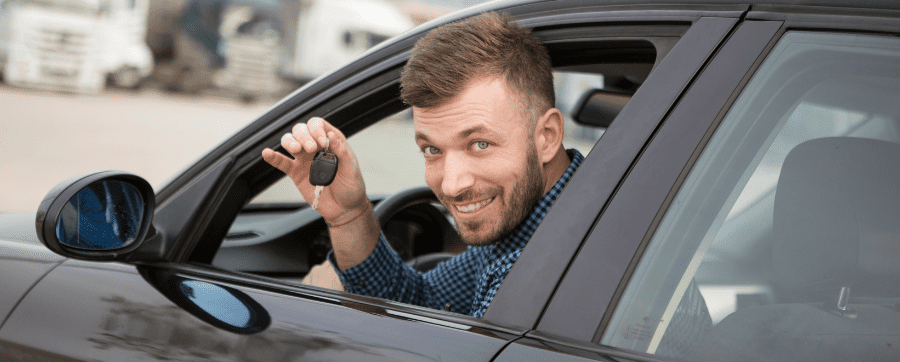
(129,314)
(539,347)
(23,260)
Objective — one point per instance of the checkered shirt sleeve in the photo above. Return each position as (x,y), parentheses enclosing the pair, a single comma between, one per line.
(384,275)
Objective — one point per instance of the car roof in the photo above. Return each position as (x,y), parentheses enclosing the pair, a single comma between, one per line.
(864,4)
(513,7)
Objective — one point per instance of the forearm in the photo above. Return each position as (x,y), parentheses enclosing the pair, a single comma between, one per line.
(355,238)
(384,275)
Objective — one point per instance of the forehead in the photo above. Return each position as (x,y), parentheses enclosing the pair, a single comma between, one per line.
(485,105)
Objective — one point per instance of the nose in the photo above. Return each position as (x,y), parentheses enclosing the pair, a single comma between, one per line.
(458,175)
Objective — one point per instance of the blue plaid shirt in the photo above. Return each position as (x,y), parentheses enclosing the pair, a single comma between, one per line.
(465,284)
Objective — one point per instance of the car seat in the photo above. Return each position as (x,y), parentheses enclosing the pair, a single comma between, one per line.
(836,247)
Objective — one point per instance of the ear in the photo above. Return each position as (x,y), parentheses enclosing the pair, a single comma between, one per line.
(548,134)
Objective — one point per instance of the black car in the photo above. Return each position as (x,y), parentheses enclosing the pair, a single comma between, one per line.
(755,166)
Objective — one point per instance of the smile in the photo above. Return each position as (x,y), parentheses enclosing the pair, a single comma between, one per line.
(474,207)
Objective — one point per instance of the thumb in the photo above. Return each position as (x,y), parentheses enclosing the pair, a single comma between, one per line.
(277,160)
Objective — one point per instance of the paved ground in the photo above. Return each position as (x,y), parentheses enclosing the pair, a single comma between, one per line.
(46,137)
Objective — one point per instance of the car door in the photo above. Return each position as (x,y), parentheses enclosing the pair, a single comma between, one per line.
(171,303)
(711,249)
(113,312)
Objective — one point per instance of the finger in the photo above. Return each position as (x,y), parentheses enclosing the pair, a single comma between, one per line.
(338,144)
(317,131)
(291,145)
(277,160)
(301,134)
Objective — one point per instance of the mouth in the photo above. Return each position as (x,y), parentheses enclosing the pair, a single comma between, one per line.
(473,207)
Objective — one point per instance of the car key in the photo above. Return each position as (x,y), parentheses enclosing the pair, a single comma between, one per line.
(322,171)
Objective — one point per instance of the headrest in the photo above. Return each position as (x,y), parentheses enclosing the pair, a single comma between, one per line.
(837,217)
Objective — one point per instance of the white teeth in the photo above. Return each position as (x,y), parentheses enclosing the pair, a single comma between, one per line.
(473,207)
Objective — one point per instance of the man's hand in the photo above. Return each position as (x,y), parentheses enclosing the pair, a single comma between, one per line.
(345,198)
(353,228)
(323,275)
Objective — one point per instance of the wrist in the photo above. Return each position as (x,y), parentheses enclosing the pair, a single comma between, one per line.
(350,216)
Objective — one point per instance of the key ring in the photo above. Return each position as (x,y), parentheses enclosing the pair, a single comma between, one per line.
(327,144)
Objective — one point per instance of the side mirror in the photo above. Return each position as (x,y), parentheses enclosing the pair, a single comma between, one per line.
(101,217)
(598,107)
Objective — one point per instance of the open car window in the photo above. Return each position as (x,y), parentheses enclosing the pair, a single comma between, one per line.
(391,162)
(781,243)
(277,234)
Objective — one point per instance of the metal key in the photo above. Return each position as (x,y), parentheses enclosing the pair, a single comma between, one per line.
(318,191)
(322,171)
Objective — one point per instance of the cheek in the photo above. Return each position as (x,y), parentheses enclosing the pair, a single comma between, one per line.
(433,177)
(503,170)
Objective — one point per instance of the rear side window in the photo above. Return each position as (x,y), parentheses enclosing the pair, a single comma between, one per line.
(783,242)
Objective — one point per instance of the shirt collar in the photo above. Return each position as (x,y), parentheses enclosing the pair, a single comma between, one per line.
(517,239)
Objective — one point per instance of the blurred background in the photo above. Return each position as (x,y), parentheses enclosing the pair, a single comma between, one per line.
(149,86)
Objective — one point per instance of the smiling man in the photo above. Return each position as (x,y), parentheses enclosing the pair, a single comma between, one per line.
(483,108)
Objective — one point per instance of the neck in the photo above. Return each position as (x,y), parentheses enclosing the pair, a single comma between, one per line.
(554,169)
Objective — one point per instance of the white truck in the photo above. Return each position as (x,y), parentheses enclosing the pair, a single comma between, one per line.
(330,33)
(74,45)
(298,40)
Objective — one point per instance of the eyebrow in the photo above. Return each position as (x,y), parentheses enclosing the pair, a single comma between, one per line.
(463,134)
(470,131)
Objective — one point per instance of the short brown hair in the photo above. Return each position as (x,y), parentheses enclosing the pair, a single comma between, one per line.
(447,58)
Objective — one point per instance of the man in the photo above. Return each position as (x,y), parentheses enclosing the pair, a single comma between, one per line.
(483,108)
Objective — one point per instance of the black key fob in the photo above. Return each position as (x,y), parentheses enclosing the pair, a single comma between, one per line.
(323,169)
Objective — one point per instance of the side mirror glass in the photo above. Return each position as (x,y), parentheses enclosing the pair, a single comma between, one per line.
(219,305)
(242,314)
(598,107)
(104,215)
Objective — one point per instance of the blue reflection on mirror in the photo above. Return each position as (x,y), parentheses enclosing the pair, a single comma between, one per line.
(218,302)
(105,215)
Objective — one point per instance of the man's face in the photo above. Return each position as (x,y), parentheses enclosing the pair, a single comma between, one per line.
(480,160)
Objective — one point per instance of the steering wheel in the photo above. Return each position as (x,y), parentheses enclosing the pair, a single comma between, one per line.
(419,198)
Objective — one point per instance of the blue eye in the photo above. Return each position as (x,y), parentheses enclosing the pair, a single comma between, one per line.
(480,145)
(430,150)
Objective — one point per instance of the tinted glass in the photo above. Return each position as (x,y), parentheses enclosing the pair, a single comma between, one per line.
(783,242)
(102,216)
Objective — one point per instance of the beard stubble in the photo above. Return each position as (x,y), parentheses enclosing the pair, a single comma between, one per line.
(526,192)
